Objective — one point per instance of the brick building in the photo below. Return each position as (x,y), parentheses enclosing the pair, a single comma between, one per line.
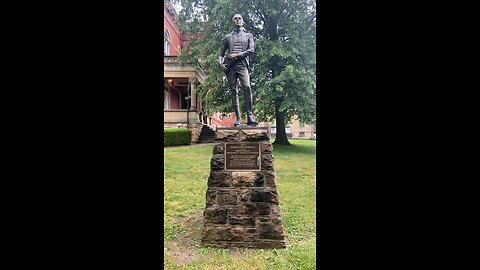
(180,81)
(296,130)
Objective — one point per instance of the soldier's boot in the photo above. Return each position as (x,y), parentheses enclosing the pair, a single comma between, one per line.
(248,105)
(236,108)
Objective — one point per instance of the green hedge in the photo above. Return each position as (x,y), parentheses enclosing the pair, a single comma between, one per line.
(176,136)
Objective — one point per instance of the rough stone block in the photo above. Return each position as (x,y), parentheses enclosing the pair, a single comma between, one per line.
(247,179)
(270,179)
(224,233)
(265,244)
(262,209)
(218,148)
(266,147)
(247,209)
(243,195)
(209,233)
(246,221)
(224,198)
(211,196)
(237,233)
(232,210)
(264,195)
(260,179)
(256,135)
(215,214)
(263,219)
(275,214)
(251,209)
(250,237)
(217,162)
(267,162)
(270,231)
(219,179)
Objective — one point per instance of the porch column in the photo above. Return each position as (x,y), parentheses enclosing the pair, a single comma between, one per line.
(200,111)
(193,93)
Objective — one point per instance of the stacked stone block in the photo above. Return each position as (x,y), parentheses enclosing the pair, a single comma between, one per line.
(242,207)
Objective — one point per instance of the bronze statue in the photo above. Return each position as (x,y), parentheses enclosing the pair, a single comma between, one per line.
(239,45)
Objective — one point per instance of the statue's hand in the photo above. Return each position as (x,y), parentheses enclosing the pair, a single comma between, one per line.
(224,67)
(233,56)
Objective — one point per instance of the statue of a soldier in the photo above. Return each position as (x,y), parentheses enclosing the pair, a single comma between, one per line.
(239,45)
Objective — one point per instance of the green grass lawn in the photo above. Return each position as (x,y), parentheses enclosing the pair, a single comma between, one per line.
(186,173)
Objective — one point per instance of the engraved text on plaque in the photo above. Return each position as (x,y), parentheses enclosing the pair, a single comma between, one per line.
(242,156)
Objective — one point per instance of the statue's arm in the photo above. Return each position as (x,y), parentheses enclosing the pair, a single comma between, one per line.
(250,47)
(222,51)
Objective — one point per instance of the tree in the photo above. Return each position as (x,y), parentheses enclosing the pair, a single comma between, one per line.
(283,67)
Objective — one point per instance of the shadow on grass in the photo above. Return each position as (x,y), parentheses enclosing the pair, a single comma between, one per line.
(294,148)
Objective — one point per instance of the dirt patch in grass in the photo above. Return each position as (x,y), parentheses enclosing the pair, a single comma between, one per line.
(182,255)
(191,232)
(239,253)
(186,246)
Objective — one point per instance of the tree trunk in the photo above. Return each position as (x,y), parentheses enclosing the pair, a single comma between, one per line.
(281,137)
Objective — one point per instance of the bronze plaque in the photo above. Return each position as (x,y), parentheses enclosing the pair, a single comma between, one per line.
(242,156)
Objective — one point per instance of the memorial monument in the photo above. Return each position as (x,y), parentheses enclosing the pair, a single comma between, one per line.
(242,200)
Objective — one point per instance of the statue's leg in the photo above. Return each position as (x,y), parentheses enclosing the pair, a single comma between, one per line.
(232,84)
(247,91)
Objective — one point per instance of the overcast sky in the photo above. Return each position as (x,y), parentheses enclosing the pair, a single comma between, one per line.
(178,6)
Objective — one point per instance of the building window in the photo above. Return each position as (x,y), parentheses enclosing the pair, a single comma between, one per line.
(301,134)
(166,49)
(166,100)
(273,129)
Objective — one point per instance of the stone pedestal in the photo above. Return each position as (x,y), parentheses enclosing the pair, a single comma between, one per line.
(242,205)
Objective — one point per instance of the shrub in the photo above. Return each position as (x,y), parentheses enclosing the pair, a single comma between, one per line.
(176,136)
